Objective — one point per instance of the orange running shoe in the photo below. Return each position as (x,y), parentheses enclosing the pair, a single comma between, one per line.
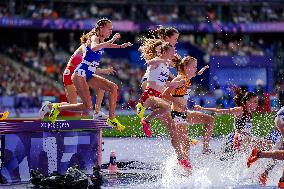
(262,179)
(253,156)
(281,184)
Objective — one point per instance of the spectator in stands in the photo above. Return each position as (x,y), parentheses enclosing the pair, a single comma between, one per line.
(218,94)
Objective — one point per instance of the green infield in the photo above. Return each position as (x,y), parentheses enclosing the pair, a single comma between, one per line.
(262,124)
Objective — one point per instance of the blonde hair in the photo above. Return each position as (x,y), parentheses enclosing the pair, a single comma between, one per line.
(95,31)
(181,63)
(148,48)
(162,33)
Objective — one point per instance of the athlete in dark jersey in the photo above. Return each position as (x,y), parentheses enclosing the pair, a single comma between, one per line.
(241,138)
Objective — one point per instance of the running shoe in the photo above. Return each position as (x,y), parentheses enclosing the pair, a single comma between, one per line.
(146,127)
(115,123)
(281,184)
(100,115)
(44,109)
(193,141)
(140,110)
(54,113)
(253,156)
(185,164)
(262,179)
(4,115)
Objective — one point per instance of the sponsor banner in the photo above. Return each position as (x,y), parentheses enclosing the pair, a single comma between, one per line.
(241,70)
(127,26)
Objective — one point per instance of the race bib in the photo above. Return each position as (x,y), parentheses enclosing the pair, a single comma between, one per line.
(81,73)
(66,72)
(92,68)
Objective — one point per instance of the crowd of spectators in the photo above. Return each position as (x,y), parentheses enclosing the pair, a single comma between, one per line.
(22,88)
(234,47)
(228,45)
(17,80)
(139,11)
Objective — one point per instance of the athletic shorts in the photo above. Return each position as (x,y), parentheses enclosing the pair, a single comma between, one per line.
(147,93)
(84,70)
(67,74)
(179,117)
(75,60)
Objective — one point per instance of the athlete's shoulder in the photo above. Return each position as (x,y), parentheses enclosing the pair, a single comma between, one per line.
(155,60)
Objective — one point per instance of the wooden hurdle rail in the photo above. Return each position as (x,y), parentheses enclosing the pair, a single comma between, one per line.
(25,140)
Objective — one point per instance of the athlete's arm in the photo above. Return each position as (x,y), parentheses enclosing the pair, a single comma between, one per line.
(175,83)
(156,60)
(95,45)
(202,70)
(235,111)
(106,71)
(116,46)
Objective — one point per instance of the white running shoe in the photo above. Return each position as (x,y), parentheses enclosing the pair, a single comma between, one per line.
(44,109)
(100,115)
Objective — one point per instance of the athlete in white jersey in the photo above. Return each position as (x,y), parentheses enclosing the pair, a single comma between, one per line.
(242,138)
(163,35)
(156,83)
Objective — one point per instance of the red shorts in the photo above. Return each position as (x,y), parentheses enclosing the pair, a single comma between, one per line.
(147,93)
(75,60)
(67,74)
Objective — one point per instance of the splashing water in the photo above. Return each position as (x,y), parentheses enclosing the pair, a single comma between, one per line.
(208,170)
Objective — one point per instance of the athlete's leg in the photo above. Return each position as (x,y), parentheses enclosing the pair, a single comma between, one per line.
(200,118)
(275,154)
(168,122)
(83,92)
(71,94)
(158,105)
(99,98)
(99,82)
(182,136)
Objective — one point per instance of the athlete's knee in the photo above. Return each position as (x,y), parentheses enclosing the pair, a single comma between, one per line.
(113,87)
(210,119)
(88,107)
